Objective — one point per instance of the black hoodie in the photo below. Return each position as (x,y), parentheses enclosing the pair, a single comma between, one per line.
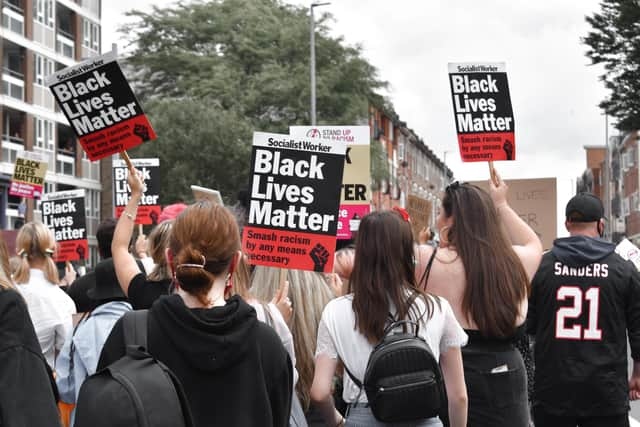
(584,300)
(27,392)
(233,368)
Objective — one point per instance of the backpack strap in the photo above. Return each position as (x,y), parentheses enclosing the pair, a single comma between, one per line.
(134,325)
(353,378)
(427,271)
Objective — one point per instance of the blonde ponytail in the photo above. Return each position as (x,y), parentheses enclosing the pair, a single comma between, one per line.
(35,242)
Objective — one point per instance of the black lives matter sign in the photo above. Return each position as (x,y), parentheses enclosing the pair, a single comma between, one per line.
(64,213)
(482,111)
(295,196)
(100,106)
(149,208)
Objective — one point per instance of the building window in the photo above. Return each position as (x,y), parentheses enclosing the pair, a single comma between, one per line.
(90,35)
(43,68)
(44,12)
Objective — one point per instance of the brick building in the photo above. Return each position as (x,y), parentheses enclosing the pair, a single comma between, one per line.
(37,38)
(413,168)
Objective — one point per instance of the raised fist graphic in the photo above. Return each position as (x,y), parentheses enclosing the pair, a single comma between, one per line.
(320,256)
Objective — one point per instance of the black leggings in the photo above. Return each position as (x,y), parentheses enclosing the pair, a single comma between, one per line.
(496,385)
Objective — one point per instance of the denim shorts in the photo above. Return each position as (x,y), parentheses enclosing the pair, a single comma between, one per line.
(361,416)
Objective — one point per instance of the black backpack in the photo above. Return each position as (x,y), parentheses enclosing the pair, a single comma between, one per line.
(403,380)
(136,390)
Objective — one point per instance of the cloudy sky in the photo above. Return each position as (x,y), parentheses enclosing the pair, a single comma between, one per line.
(553,89)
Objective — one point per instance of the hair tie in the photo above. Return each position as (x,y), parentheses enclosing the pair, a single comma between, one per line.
(22,253)
(403,213)
(49,252)
(204,261)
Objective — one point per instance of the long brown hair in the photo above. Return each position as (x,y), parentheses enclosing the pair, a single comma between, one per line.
(207,232)
(35,242)
(384,273)
(496,280)
(158,243)
(5,270)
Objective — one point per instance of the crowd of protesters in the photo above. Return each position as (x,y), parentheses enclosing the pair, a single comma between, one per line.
(259,346)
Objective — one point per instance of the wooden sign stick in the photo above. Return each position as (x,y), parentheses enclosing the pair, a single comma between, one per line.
(140,231)
(283,277)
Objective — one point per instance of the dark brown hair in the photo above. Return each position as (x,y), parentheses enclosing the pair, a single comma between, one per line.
(496,280)
(203,234)
(384,273)
(158,242)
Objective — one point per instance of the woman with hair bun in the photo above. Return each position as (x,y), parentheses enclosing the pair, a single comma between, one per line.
(234,369)
(50,308)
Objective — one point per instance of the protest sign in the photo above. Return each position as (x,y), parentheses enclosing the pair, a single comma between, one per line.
(203,193)
(482,111)
(355,198)
(149,208)
(28,175)
(535,201)
(629,251)
(419,211)
(295,194)
(100,106)
(64,213)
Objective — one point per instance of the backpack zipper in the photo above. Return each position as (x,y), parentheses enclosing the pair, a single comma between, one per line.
(397,387)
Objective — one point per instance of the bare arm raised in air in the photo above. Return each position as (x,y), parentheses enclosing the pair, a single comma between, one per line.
(125,264)
(525,242)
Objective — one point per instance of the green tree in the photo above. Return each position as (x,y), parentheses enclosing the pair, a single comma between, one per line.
(210,73)
(197,144)
(614,41)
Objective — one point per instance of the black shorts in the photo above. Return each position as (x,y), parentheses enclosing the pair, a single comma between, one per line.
(544,419)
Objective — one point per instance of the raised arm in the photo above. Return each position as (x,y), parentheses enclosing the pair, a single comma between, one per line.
(125,264)
(525,242)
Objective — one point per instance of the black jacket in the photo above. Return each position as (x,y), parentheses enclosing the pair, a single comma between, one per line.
(584,300)
(234,369)
(27,393)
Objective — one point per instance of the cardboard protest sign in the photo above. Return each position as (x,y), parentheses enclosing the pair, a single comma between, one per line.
(28,175)
(419,211)
(100,106)
(295,194)
(482,111)
(149,208)
(203,193)
(355,197)
(535,201)
(64,213)
(629,251)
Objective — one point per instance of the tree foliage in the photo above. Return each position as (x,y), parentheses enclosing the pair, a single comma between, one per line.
(237,66)
(197,145)
(614,41)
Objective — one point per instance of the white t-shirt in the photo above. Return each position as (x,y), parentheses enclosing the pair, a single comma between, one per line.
(338,337)
(50,309)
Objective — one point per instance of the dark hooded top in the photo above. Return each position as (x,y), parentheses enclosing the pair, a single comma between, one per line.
(584,301)
(27,393)
(234,369)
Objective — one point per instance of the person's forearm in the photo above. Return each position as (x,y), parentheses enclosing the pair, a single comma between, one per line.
(328,411)
(519,232)
(125,225)
(458,414)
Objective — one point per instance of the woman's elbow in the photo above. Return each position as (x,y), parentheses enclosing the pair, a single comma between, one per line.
(458,400)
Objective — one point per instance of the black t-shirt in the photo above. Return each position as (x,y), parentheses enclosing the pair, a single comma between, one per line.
(144,292)
(580,316)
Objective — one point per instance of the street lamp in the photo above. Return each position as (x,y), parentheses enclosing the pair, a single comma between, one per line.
(313,61)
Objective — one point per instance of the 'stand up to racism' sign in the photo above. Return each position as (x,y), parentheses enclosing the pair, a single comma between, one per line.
(149,209)
(356,192)
(63,212)
(100,106)
(28,175)
(295,194)
(483,112)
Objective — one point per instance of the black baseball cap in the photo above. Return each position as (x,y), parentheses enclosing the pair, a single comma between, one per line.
(584,207)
